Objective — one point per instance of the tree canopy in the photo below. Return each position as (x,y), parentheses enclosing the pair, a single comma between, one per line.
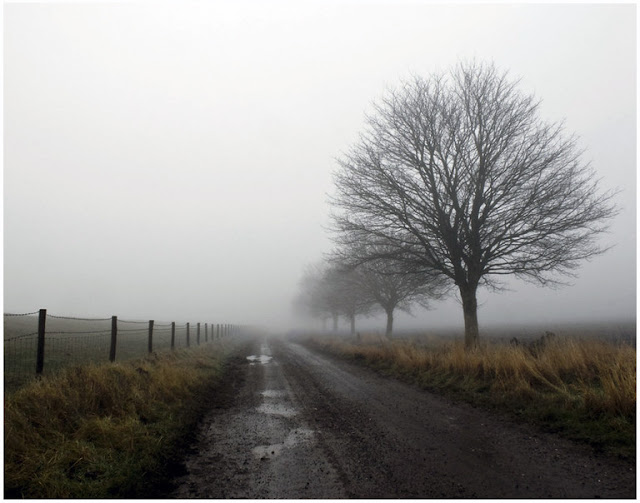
(457,174)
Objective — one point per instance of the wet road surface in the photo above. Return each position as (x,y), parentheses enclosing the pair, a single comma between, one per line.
(304,425)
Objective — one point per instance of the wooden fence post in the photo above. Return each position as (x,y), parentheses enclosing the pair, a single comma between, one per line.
(198,334)
(206,337)
(217,330)
(42,318)
(114,337)
(150,336)
(173,335)
(187,335)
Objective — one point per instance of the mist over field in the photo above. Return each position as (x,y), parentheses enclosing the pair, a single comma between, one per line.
(174,161)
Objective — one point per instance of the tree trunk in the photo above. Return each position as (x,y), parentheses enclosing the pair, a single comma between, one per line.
(352,318)
(389,322)
(335,322)
(470,309)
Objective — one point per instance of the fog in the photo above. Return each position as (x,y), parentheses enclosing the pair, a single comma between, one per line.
(172,161)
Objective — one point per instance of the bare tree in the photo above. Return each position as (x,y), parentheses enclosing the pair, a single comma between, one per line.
(332,290)
(348,293)
(388,283)
(456,173)
(316,297)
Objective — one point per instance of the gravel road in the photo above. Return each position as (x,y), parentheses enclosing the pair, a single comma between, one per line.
(298,424)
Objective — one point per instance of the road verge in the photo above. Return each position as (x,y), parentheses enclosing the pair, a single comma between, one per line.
(582,389)
(111,430)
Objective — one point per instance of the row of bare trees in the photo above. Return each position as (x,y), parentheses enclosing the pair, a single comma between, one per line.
(456,181)
(335,288)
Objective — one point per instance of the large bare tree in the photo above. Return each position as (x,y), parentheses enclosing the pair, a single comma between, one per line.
(457,173)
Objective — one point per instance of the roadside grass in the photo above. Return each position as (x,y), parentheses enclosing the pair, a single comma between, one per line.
(106,430)
(582,389)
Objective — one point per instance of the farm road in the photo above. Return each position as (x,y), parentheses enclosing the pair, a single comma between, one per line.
(303,425)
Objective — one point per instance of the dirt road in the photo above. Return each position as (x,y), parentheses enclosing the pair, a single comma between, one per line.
(303,425)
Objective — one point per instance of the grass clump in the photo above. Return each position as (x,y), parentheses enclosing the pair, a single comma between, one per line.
(583,389)
(107,430)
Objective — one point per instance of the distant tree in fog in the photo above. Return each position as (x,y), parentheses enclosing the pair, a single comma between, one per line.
(457,174)
(388,284)
(346,285)
(315,298)
(329,291)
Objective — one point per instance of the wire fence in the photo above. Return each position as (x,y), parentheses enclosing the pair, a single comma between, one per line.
(37,343)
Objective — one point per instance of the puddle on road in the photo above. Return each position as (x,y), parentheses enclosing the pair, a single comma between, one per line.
(294,438)
(277,409)
(273,393)
(261,359)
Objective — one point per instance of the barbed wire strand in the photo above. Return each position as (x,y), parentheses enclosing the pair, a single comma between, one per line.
(22,336)
(78,319)
(21,314)
(83,332)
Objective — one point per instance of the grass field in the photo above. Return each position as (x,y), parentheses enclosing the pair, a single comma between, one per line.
(108,430)
(583,388)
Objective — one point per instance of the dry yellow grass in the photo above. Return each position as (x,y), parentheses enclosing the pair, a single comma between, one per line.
(567,383)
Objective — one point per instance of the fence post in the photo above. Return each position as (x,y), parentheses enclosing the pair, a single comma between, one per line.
(114,336)
(150,336)
(206,337)
(187,335)
(173,335)
(217,330)
(42,318)
(198,334)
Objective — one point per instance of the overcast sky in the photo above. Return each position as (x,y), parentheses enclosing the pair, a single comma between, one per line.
(172,161)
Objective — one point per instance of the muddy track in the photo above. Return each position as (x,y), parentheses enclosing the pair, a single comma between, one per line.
(304,425)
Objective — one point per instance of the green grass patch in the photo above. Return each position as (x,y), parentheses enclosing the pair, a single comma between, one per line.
(582,389)
(107,430)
